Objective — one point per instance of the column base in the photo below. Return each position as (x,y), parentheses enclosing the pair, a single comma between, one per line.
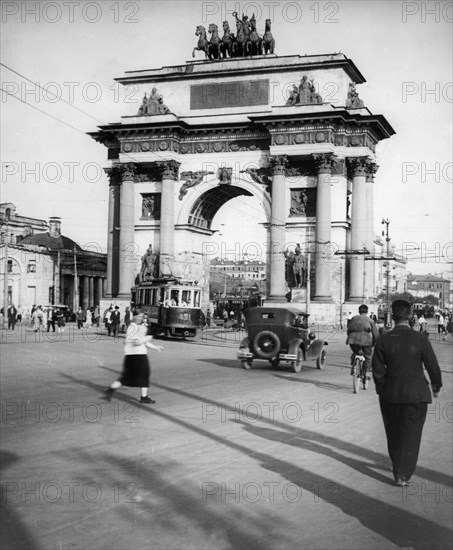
(276,300)
(357,299)
(323,298)
(323,312)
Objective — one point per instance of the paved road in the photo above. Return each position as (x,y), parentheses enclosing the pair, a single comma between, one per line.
(226,459)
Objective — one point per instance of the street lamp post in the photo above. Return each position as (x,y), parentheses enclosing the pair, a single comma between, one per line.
(4,233)
(387,270)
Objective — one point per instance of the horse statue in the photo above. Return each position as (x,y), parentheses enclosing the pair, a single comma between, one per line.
(215,42)
(268,40)
(255,40)
(203,43)
(242,35)
(226,47)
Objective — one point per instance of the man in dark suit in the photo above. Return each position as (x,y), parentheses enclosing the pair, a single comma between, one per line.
(404,394)
(115,319)
(12,316)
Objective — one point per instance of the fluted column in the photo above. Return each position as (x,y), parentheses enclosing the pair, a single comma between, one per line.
(359,228)
(128,265)
(85,292)
(323,228)
(169,174)
(279,212)
(98,293)
(90,291)
(112,232)
(369,266)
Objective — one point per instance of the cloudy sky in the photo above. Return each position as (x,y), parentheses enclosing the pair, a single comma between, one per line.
(59,61)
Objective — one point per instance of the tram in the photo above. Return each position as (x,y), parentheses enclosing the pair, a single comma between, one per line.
(235,304)
(171,306)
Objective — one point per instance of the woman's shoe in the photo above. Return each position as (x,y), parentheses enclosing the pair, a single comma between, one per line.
(108,393)
(146,400)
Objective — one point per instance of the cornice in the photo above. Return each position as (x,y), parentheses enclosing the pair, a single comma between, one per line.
(243,66)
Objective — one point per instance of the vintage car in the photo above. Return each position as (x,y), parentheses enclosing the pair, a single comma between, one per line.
(280,334)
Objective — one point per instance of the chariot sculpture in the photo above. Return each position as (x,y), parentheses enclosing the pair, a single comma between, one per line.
(246,43)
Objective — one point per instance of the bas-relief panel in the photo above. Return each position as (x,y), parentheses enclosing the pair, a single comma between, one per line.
(303,202)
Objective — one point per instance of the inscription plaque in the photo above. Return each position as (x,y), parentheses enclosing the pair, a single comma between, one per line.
(217,95)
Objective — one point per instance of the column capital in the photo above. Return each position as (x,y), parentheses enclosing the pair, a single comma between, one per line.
(372,169)
(114,175)
(339,166)
(324,162)
(359,165)
(278,164)
(169,169)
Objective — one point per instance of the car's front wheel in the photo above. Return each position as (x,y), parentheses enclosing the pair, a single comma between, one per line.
(321,359)
(297,364)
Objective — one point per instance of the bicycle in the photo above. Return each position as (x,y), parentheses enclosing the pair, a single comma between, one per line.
(359,371)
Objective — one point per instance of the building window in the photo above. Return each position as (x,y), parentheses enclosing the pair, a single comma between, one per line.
(10,266)
(31,267)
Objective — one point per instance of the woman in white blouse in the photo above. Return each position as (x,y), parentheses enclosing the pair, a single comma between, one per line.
(136,367)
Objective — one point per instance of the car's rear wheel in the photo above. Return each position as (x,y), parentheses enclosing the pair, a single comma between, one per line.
(266,344)
(297,365)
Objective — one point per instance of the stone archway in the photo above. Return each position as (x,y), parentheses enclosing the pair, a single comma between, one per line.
(193,228)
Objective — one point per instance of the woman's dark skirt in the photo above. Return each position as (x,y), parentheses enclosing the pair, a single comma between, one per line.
(136,371)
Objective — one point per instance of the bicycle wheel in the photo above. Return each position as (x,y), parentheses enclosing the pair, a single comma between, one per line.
(355,376)
(364,377)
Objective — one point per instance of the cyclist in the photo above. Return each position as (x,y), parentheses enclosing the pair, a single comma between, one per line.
(362,334)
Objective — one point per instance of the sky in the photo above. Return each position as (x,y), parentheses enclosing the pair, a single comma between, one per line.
(59,61)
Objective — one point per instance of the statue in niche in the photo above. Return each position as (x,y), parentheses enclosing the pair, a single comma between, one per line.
(299,268)
(191,180)
(150,265)
(348,206)
(299,201)
(153,105)
(353,101)
(289,268)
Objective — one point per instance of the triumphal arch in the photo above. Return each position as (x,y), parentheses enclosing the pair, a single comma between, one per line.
(241,120)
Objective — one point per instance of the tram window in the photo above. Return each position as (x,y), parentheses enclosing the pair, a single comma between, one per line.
(154,299)
(174,298)
(196,298)
(185,300)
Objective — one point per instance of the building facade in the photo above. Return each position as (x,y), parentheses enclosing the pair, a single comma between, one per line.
(47,268)
(422,286)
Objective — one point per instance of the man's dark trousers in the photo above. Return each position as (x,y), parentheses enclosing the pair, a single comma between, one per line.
(403,424)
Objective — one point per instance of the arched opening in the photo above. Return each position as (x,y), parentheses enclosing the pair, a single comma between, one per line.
(208,204)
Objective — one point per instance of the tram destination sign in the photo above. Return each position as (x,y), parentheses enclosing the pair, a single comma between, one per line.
(236,93)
